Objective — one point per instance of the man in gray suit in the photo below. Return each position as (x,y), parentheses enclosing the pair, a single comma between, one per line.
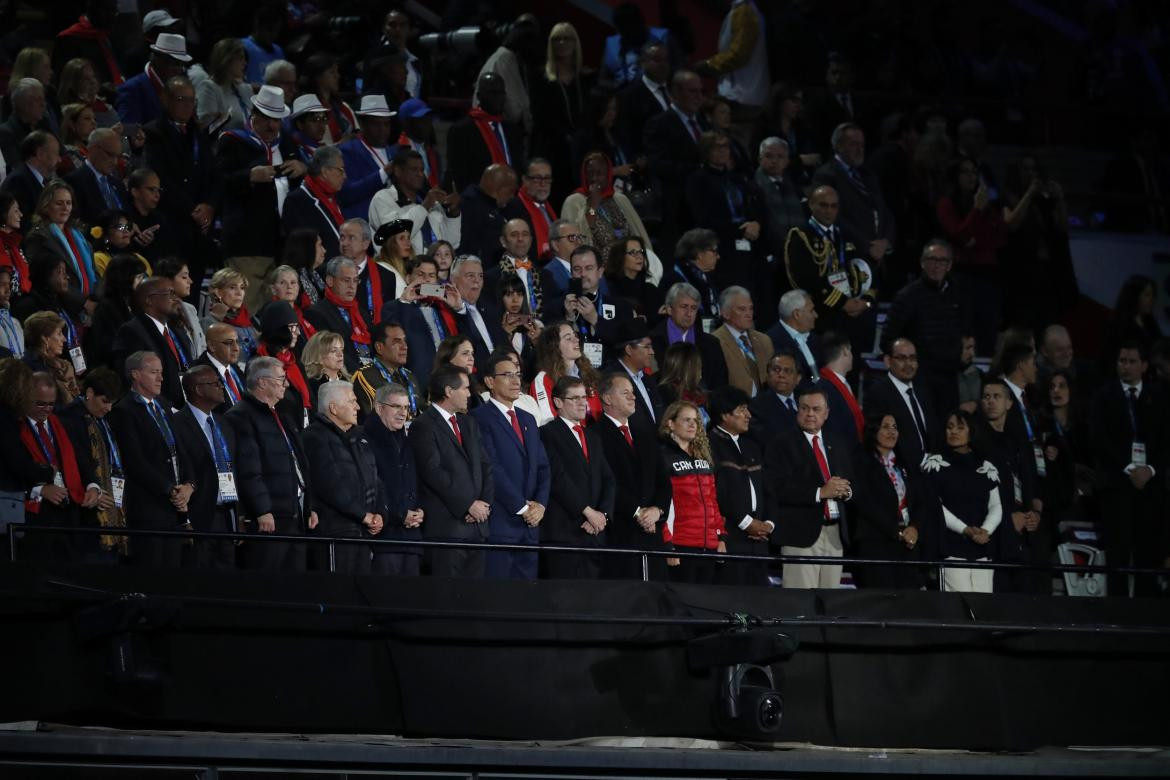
(455,484)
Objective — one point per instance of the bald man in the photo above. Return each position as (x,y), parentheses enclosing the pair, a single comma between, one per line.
(223,355)
(487,207)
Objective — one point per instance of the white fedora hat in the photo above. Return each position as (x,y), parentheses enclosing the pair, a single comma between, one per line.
(172,45)
(307,104)
(269,101)
(375,105)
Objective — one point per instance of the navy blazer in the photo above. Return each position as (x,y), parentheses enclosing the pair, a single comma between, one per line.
(770,417)
(520,471)
(89,202)
(363,179)
(138,102)
(303,209)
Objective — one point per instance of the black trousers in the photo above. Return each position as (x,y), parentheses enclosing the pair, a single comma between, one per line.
(268,555)
(697,571)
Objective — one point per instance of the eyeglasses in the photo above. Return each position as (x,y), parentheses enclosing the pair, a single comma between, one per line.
(397,407)
(167,293)
(636,252)
(904,358)
(508,375)
(573,398)
(283,380)
(936,259)
(121,228)
(572,238)
(541,179)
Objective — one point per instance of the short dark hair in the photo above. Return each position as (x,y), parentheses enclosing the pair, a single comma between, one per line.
(138,177)
(725,401)
(405,154)
(605,386)
(169,266)
(416,260)
(383,328)
(833,343)
(500,355)
(1013,356)
(445,377)
(33,143)
(565,384)
(583,249)
(811,390)
(103,381)
(1139,345)
(992,379)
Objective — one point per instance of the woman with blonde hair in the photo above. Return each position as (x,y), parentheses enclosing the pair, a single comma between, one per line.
(226,294)
(77,122)
(563,97)
(56,231)
(224,100)
(324,360)
(698,524)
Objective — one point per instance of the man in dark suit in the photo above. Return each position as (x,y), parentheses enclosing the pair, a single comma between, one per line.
(635,355)
(223,353)
(40,153)
(563,238)
(28,115)
(806,484)
(483,138)
(671,139)
(1128,426)
(456,486)
(250,164)
(315,203)
(159,477)
(582,497)
(477,318)
(642,483)
(643,99)
(594,315)
(835,104)
(66,481)
(272,470)
(148,331)
(339,312)
(139,100)
(739,486)
(209,444)
(864,215)
(486,204)
(178,150)
(681,324)
(774,408)
(425,320)
(96,186)
(520,470)
(920,424)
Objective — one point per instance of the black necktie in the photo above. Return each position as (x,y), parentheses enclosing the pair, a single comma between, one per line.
(918,421)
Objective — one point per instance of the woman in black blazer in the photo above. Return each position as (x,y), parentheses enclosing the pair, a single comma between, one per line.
(889,509)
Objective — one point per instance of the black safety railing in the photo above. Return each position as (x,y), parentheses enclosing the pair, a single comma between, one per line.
(15,530)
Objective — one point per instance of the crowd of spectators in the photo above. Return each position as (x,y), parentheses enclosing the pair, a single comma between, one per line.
(264,286)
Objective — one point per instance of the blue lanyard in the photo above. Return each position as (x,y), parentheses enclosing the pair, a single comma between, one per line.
(440,326)
(160,420)
(406,383)
(743,348)
(70,330)
(183,362)
(733,203)
(584,326)
(828,236)
(223,460)
(111,446)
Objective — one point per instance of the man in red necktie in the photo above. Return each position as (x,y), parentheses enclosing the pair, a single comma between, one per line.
(148,331)
(807,475)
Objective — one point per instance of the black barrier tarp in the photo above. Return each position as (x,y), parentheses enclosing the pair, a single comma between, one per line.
(319,653)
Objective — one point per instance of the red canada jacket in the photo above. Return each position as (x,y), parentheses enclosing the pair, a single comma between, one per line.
(697,520)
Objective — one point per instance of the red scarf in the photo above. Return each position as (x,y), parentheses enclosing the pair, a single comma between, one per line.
(84,29)
(241,319)
(842,388)
(607,192)
(68,460)
(326,198)
(432,159)
(155,81)
(14,258)
(374,276)
(291,369)
(339,108)
(357,323)
(539,225)
(445,311)
(482,120)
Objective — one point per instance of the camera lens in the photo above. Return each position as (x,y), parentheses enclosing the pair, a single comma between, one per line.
(769,712)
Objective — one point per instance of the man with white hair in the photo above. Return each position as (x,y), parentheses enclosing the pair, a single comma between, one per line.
(745,349)
(340,457)
(781,195)
(681,324)
(339,311)
(794,332)
(28,114)
(283,74)
(96,185)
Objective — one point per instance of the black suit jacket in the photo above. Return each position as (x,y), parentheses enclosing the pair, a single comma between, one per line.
(576,484)
(323,315)
(791,480)
(251,225)
(710,353)
(89,203)
(737,471)
(12,132)
(303,209)
(874,506)
(636,107)
(481,223)
(642,416)
(1112,433)
(467,154)
(856,215)
(882,398)
(770,417)
(22,185)
(204,360)
(185,166)
(197,450)
(149,466)
(640,480)
(140,334)
(491,320)
(450,477)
